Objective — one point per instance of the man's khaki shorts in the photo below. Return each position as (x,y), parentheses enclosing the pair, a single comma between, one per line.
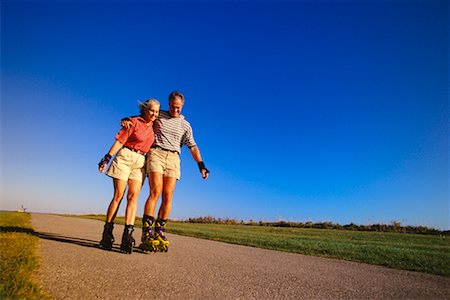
(165,162)
(127,165)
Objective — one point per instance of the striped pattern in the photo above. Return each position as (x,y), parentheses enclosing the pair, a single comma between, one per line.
(176,132)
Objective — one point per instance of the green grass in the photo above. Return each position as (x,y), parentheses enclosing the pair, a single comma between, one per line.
(416,252)
(18,259)
(424,253)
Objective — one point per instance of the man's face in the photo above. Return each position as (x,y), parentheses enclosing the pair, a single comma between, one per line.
(175,107)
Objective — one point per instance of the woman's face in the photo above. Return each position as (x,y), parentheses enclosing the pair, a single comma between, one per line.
(152,113)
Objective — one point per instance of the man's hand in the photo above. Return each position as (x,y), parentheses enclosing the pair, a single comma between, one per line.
(126,124)
(104,163)
(205,173)
(203,170)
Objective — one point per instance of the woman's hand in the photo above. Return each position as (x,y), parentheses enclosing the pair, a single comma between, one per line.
(104,163)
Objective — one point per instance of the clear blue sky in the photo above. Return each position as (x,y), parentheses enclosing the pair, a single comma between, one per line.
(304,111)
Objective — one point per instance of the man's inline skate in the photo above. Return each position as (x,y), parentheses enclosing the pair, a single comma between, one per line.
(107,237)
(160,229)
(149,243)
(127,240)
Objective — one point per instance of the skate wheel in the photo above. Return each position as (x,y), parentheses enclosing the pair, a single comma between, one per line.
(126,250)
(147,248)
(105,247)
(141,247)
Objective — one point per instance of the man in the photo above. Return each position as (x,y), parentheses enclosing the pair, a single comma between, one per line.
(172,131)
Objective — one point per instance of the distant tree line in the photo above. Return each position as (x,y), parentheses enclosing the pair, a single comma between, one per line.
(394,226)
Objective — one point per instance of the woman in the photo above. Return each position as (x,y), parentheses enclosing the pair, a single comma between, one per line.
(128,168)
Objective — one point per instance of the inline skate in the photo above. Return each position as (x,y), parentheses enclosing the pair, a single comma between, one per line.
(127,240)
(107,237)
(149,243)
(160,229)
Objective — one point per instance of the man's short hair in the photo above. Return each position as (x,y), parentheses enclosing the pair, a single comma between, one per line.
(175,94)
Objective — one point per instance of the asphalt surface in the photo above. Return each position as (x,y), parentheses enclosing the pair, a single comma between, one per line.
(74,267)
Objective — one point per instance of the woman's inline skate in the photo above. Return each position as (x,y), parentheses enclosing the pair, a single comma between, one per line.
(107,237)
(127,240)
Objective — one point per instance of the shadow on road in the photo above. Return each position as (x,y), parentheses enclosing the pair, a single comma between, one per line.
(73,240)
(55,237)
(17,229)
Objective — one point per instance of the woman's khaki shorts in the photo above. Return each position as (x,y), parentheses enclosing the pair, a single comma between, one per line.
(165,162)
(127,165)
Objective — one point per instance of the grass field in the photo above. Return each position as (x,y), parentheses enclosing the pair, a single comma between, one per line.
(416,252)
(18,259)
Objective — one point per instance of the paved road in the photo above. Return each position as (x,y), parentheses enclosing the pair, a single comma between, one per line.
(73,267)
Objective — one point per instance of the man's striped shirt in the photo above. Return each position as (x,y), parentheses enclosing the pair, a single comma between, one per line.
(172,133)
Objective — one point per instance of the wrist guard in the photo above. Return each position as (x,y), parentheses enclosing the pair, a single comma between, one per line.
(201,166)
(104,161)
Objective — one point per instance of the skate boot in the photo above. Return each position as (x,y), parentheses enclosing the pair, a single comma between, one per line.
(160,229)
(127,240)
(149,243)
(107,238)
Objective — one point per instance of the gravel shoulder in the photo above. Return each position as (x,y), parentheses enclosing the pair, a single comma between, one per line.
(74,267)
